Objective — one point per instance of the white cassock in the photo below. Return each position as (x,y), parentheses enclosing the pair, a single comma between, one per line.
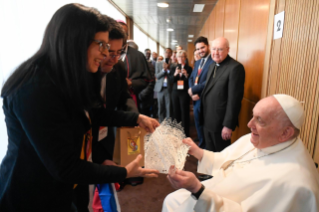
(278,178)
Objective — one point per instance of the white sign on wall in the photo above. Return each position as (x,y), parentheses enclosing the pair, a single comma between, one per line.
(279,25)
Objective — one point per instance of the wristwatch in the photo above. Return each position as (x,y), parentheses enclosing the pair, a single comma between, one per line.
(196,195)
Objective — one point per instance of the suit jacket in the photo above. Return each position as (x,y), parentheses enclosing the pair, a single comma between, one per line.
(222,95)
(138,70)
(146,95)
(117,98)
(178,77)
(197,89)
(160,76)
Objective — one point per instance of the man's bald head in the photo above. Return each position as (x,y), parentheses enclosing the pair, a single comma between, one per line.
(219,49)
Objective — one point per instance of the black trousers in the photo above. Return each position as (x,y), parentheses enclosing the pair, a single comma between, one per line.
(214,141)
(180,102)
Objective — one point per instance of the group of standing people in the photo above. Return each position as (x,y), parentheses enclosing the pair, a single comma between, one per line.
(215,86)
(171,87)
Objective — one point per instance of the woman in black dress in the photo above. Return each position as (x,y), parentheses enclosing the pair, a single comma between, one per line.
(180,97)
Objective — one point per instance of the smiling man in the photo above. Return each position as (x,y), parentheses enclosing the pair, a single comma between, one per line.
(197,82)
(221,97)
(269,169)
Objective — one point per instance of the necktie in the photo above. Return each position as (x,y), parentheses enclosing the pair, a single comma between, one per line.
(214,74)
(201,64)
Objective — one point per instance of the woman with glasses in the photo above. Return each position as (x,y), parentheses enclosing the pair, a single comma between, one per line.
(47,103)
(180,97)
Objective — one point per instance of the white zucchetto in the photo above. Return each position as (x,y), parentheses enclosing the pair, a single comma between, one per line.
(293,109)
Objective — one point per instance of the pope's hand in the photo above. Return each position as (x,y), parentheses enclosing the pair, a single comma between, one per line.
(183,179)
(135,170)
(194,149)
(147,123)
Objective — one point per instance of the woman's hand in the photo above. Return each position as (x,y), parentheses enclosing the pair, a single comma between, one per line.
(177,71)
(135,170)
(185,73)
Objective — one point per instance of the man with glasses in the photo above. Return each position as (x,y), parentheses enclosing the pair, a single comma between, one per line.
(221,97)
(114,91)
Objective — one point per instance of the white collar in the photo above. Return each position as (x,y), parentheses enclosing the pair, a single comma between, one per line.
(277,147)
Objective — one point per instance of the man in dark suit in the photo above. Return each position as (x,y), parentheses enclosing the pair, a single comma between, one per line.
(151,66)
(139,78)
(221,97)
(154,58)
(197,82)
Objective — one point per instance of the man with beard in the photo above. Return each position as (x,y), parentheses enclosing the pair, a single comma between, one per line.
(197,82)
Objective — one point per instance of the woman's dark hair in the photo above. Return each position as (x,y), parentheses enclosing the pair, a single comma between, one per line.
(201,39)
(63,54)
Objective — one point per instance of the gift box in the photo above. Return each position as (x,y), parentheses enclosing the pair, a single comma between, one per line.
(129,143)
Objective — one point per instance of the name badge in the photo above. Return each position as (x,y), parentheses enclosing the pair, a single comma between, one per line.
(165,82)
(102,133)
(196,80)
(180,85)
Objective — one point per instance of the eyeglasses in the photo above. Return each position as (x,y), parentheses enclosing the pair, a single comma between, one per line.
(102,46)
(113,55)
(217,49)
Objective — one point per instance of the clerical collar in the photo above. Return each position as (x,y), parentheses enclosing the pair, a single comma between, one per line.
(227,58)
(278,146)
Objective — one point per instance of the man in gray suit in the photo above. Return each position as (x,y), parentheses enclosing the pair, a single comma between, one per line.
(163,87)
(221,97)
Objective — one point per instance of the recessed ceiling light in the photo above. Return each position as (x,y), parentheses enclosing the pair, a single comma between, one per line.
(190,40)
(168,20)
(170,29)
(190,36)
(198,8)
(163,4)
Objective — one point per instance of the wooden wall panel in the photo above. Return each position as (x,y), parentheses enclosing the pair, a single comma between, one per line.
(190,53)
(294,66)
(231,25)
(244,117)
(211,26)
(204,31)
(251,44)
(219,19)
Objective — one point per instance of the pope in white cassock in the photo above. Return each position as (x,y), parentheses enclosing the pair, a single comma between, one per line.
(266,170)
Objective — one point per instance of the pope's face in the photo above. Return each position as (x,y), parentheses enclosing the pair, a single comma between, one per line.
(264,126)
